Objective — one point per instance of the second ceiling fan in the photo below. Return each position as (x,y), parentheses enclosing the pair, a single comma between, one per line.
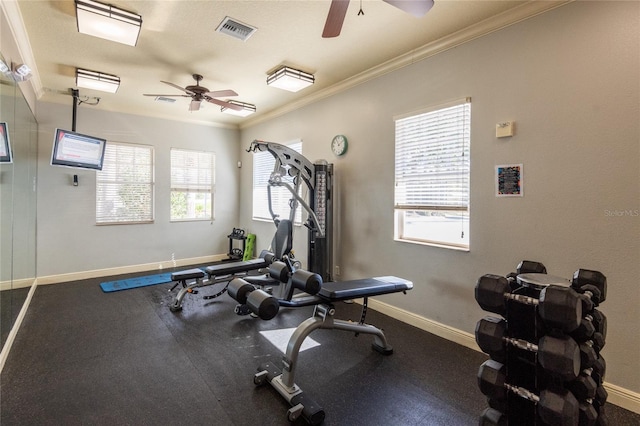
(338,10)
(199,93)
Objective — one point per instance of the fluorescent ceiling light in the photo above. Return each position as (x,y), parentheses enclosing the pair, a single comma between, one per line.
(108,22)
(247,109)
(290,79)
(17,72)
(97,81)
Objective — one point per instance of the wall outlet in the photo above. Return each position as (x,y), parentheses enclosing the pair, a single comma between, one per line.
(337,270)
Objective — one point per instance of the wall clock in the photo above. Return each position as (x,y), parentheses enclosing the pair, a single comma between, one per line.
(339,145)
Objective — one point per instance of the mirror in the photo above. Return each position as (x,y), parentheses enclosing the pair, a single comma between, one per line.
(17,204)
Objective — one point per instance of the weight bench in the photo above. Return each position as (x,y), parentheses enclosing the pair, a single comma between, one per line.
(191,279)
(323,296)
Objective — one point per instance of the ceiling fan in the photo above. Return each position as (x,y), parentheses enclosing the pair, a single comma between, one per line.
(338,10)
(199,93)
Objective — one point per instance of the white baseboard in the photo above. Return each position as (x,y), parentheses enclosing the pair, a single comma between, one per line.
(158,266)
(619,396)
(13,284)
(16,326)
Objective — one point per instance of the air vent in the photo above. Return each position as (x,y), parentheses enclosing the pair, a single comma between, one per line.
(164,99)
(235,29)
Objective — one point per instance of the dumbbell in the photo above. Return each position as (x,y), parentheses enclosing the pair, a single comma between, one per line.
(559,307)
(558,355)
(554,407)
(584,277)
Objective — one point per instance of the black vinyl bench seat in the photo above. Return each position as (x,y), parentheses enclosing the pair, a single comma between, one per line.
(366,287)
(189,274)
(235,267)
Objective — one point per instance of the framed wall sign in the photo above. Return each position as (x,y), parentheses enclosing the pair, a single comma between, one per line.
(509,182)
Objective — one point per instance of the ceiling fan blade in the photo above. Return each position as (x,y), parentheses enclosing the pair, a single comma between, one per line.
(194,106)
(224,104)
(177,87)
(335,18)
(221,93)
(167,96)
(417,8)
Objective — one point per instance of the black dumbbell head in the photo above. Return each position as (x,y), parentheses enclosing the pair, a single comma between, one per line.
(588,414)
(531,267)
(492,417)
(584,331)
(599,370)
(489,334)
(588,355)
(491,377)
(583,388)
(560,308)
(592,296)
(600,322)
(560,356)
(489,292)
(583,277)
(558,407)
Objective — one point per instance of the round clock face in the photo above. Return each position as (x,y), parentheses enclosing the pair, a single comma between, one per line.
(339,145)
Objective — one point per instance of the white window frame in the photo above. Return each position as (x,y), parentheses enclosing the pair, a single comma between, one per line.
(432,176)
(263,164)
(125,165)
(193,174)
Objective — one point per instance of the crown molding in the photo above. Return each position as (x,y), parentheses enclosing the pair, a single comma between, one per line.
(482,28)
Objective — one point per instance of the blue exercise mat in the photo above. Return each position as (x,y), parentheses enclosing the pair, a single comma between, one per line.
(137,282)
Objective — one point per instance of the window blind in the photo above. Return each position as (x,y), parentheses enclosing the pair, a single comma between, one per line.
(192,180)
(432,159)
(124,187)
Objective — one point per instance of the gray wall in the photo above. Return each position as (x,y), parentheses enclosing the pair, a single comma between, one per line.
(570,80)
(69,240)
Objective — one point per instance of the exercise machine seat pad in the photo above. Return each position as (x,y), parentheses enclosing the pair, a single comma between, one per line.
(187,275)
(236,267)
(366,287)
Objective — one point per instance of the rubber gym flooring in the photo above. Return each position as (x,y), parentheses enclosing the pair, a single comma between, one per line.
(84,357)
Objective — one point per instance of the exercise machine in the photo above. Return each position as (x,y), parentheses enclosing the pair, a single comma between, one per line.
(318,179)
(323,296)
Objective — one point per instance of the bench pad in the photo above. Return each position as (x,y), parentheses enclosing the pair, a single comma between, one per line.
(235,267)
(187,275)
(367,287)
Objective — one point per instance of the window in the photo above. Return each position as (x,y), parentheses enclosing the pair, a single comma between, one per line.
(263,163)
(124,187)
(432,176)
(192,179)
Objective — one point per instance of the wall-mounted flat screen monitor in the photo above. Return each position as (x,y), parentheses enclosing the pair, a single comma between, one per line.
(73,149)
(5,145)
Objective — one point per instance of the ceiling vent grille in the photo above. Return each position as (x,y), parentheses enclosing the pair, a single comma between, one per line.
(235,29)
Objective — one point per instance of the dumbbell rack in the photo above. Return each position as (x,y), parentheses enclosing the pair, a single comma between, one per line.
(237,235)
(523,369)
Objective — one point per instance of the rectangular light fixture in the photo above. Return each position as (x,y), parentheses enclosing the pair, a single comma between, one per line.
(290,79)
(97,80)
(247,109)
(108,22)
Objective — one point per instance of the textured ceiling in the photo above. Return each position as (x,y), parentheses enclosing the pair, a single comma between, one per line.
(178,39)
